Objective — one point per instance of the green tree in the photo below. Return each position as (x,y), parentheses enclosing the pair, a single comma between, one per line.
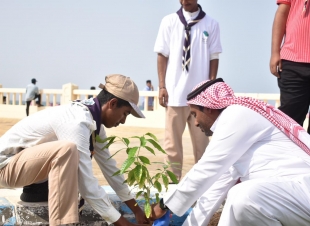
(135,167)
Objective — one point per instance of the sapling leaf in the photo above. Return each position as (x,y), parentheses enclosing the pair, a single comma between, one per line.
(156,145)
(126,141)
(111,141)
(142,141)
(172,177)
(157,176)
(174,163)
(145,160)
(149,149)
(152,135)
(157,185)
(142,179)
(138,194)
(115,153)
(131,178)
(157,197)
(116,173)
(132,152)
(162,163)
(165,180)
(99,140)
(138,173)
(147,209)
(127,164)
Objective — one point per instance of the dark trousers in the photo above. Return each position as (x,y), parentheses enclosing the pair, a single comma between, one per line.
(294,84)
(29,102)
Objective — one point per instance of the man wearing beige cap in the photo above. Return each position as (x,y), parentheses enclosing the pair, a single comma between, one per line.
(56,144)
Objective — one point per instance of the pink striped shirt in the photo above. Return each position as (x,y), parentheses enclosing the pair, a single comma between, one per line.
(296,45)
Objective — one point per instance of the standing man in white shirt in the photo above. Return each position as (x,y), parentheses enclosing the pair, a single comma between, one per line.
(188,47)
(254,143)
(56,144)
(32,92)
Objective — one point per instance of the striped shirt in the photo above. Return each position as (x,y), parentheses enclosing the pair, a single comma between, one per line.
(296,46)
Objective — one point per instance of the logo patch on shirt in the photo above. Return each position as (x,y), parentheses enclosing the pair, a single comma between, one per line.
(205,37)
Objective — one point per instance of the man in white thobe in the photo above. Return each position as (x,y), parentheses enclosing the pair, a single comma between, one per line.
(252,143)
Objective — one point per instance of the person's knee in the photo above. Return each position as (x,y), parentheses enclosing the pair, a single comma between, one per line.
(243,201)
(69,150)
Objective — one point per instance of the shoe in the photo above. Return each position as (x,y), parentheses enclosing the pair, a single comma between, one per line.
(35,193)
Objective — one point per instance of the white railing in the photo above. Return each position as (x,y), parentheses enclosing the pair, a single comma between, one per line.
(12,99)
(6,94)
(13,107)
(53,97)
(14,96)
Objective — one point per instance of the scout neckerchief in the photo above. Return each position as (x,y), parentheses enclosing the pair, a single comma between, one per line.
(216,94)
(186,58)
(94,107)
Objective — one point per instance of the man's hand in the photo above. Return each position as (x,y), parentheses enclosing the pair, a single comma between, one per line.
(163,97)
(157,212)
(140,216)
(162,62)
(275,64)
(278,31)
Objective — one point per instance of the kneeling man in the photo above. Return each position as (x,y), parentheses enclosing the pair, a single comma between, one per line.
(253,143)
(56,144)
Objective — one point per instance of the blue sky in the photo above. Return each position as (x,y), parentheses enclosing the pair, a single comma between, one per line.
(80,42)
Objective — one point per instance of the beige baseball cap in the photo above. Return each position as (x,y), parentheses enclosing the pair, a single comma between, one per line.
(123,87)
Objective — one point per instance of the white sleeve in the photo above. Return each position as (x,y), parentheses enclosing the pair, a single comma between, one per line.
(214,56)
(210,201)
(108,168)
(215,41)
(79,133)
(162,44)
(234,134)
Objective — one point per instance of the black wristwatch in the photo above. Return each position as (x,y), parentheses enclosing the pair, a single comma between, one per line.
(162,205)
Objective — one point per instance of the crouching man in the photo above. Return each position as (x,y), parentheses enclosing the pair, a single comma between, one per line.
(56,144)
(253,143)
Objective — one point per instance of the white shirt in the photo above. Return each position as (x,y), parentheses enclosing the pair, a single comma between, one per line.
(169,42)
(31,91)
(244,145)
(72,122)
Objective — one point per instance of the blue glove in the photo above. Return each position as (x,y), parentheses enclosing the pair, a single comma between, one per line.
(163,221)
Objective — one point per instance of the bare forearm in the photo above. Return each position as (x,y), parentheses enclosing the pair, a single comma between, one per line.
(132,204)
(214,64)
(162,62)
(278,28)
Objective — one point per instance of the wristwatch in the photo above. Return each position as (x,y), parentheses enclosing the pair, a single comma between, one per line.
(162,205)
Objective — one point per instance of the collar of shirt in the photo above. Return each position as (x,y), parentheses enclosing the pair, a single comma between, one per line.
(213,127)
(190,16)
